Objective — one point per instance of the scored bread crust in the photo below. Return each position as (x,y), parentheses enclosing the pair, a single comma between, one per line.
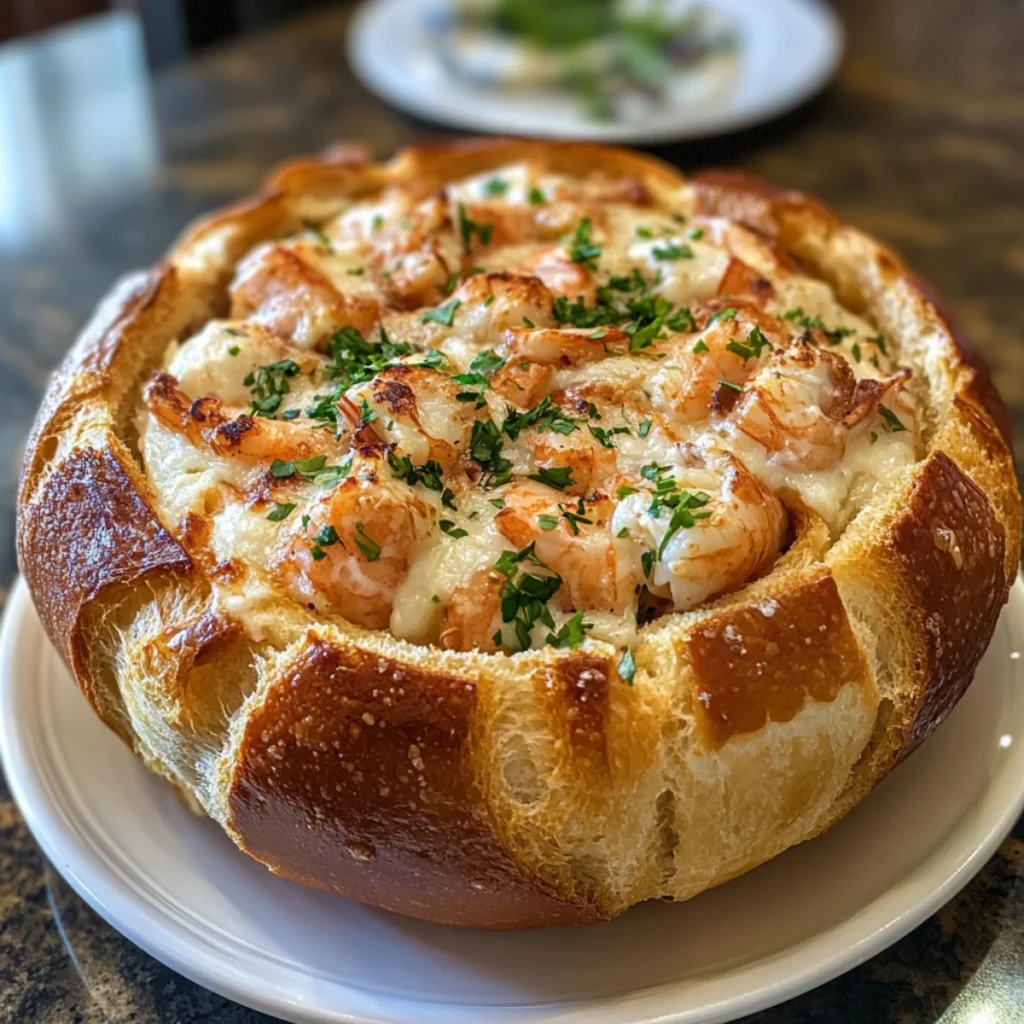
(537,789)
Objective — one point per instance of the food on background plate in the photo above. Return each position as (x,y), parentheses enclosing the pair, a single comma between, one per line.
(513,532)
(616,60)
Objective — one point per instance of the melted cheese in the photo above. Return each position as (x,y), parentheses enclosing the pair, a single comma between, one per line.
(442,566)
(681,260)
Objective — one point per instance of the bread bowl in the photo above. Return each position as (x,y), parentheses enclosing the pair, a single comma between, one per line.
(809,612)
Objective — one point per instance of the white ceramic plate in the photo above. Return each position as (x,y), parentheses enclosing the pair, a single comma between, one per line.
(175,885)
(788,49)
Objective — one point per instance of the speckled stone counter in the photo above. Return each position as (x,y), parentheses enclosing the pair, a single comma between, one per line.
(921,142)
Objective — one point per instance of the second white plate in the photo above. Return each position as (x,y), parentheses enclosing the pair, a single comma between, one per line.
(787,50)
(175,885)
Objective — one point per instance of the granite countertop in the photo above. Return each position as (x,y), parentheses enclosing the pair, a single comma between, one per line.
(920,141)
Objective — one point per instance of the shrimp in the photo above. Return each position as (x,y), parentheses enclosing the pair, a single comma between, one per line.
(730,348)
(415,407)
(804,402)
(741,279)
(563,346)
(279,286)
(418,255)
(207,422)
(725,527)
(483,306)
(523,383)
(589,463)
(563,275)
(498,300)
(354,550)
(472,614)
(579,547)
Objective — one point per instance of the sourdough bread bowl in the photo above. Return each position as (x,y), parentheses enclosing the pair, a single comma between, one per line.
(510,661)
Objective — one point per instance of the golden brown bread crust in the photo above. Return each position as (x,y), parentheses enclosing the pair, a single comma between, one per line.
(401,824)
(475,790)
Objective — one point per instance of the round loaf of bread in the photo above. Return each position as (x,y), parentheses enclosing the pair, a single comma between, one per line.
(515,531)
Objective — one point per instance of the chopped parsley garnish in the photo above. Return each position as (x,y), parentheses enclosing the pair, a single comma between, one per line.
(449,285)
(672,251)
(644,233)
(495,187)
(683,516)
(697,234)
(855,351)
(233,331)
(480,369)
(282,469)
(233,350)
(323,539)
(356,272)
(366,414)
(487,362)
(268,384)
(603,436)
(485,450)
(558,477)
(282,510)
(738,348)
(580,315)
(496,502)
(729,384)
(645,427)
(576,517)
(429,474)
(353,360)
(757,341)
(469,227)
(582,248)
(699,347)
(892,423)
(444,315)
(644,336)
(327,536)
(524,601)
(377,223)
(879,342)
(729,313)
(627,667)
(573,518)
(681,320)
(873,437)
(647,563)
(814,323)
(536,196)
(624,491)
(571,634)
(315,468)
(370,548)
(453,531)
(544,416)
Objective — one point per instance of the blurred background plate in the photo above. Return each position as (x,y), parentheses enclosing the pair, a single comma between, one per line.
(782,52)
(174,884)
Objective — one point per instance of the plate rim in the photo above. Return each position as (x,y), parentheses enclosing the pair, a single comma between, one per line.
(102,889)
(476,119)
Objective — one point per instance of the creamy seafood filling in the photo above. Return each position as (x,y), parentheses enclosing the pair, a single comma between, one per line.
(522,410)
